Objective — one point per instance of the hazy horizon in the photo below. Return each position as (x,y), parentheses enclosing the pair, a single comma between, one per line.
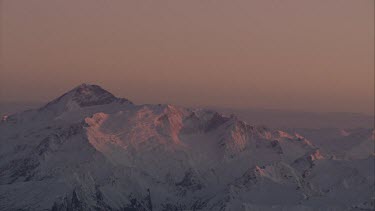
(36,104)
(315,56)
(272,118)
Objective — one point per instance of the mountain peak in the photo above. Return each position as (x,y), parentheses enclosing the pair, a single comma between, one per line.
(87,95)
(84,95)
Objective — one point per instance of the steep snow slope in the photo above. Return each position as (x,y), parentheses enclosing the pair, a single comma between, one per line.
(88,150)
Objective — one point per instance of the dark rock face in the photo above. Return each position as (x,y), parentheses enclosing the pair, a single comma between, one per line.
(248,179)
(190,181)
(275,144)
(21,169)
(89,95)
(215,122)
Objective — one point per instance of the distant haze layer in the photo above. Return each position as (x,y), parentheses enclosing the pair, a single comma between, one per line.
(305,55)
(281,119)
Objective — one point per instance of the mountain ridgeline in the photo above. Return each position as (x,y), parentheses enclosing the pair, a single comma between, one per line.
(89,150)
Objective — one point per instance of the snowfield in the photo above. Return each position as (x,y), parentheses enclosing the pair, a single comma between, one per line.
(89,150)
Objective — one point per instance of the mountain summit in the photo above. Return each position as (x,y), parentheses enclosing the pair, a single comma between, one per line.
(84,95)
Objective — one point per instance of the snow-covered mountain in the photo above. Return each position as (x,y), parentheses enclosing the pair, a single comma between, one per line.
(89,150)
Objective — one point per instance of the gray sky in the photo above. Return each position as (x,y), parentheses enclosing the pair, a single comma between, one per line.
(301,54)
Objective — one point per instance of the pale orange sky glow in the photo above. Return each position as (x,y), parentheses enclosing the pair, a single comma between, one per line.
(294,54)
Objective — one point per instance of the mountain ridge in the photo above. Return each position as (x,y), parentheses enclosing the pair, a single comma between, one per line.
(111,154)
